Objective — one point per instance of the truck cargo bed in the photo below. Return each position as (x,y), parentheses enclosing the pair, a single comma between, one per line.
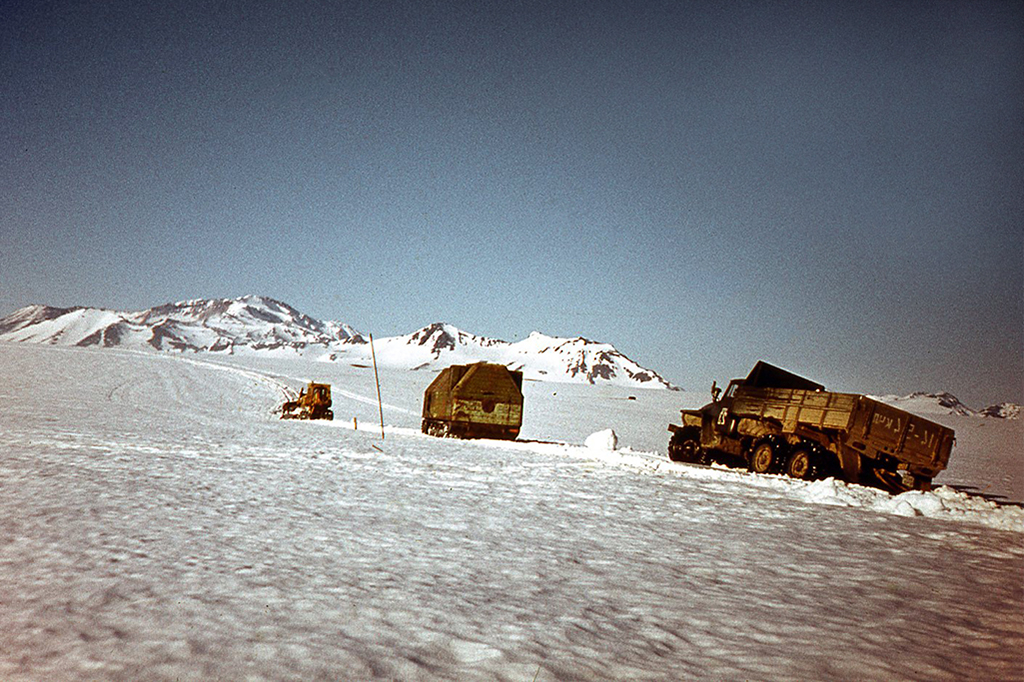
(872,428)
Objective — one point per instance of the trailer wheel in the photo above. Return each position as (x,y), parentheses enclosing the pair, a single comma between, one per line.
(764,458)
(434,428)
(802,464)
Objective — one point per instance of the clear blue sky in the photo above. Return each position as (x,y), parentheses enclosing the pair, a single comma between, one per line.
(835,187)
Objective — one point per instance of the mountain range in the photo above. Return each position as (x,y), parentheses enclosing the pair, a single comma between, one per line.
(253,324)
(258,324)
(947,403)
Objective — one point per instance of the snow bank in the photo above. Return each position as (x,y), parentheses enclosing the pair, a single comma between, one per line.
(942,503)
(602,440)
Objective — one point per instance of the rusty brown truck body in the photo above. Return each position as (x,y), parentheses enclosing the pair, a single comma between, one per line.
(481,400)
(777,422)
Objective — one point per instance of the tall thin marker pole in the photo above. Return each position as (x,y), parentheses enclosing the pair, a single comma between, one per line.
(380,405)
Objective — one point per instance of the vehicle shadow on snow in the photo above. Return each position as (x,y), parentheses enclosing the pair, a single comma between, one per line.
(973,491)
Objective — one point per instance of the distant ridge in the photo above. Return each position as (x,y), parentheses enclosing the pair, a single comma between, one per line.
(946,403)
(258,324)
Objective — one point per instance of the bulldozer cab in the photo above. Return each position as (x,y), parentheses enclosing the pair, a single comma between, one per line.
(319,393)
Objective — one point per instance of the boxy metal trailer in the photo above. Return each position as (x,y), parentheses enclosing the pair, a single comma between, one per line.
(480,400)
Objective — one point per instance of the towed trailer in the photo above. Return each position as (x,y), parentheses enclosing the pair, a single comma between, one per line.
(480,400)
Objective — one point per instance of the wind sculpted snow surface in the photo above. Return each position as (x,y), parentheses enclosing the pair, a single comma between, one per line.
(157,521)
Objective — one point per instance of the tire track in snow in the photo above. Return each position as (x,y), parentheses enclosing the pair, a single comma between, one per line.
(287,392)
(368,400)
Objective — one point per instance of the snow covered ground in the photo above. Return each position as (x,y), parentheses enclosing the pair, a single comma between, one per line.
(157,521)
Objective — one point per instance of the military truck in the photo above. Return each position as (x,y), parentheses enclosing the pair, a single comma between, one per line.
(314,402)
(480,400)
(777,422)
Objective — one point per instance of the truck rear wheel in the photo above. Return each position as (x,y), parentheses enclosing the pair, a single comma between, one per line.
(764,458)
(802,464)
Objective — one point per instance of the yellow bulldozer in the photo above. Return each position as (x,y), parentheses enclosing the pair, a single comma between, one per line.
(314,402)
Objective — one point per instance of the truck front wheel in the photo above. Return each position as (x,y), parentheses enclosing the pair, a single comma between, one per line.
(764,458)
(684,446)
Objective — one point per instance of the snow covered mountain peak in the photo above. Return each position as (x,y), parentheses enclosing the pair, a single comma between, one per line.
(247,310)
(538,356)
(31,315)
(441,336)
(1002,411)
(255,322)
(945,400)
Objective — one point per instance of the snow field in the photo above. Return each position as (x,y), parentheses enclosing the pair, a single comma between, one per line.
(157,521)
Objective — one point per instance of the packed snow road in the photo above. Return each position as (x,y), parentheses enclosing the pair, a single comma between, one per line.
(158,522)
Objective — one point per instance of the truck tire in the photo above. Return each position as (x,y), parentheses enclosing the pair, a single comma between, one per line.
(852,465)
(802,463)
(684,446)
(764,458)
